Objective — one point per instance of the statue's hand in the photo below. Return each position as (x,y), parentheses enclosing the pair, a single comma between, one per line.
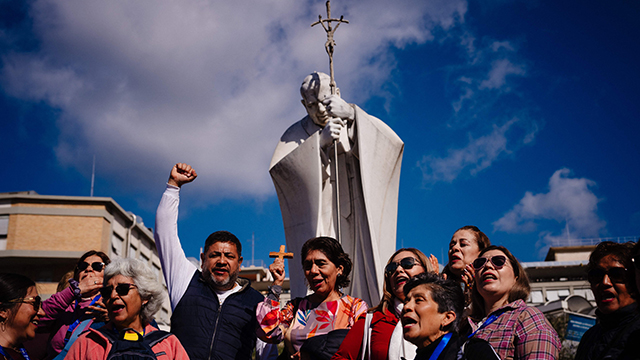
(331,132)
(182,174)
(336,107)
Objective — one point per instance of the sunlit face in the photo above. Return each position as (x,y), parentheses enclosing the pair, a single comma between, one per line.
(611,296)
(494,284)
(463,249)
(221,265)
(25,321)
(321,273)
(313,103)
(422,324)
(400,276)
(124,310)
(89,272)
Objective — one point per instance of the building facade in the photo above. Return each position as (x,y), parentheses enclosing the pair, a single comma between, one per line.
(42,237)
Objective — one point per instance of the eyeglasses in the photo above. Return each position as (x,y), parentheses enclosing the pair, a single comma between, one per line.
(617,275)
(121,290)
(497,261)
(33,301)
(96,266)
(406,263)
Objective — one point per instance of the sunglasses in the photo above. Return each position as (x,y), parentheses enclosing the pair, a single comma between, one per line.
(406,263)
(34,301)
(617,275)
(121,290)
(497,261)
(96,266)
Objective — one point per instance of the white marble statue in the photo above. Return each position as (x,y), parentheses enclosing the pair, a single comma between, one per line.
(370,155)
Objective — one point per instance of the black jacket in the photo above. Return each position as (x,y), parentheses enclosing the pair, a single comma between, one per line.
(210,331)
(608,338)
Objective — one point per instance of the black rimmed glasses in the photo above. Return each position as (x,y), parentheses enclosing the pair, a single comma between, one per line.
(406,263)
(617,275)
(35,301)
(121,290)
(96,266)
(497,261)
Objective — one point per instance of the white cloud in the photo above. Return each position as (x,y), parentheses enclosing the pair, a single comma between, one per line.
(570,204)
(500,69)
(144,84)
(478,154)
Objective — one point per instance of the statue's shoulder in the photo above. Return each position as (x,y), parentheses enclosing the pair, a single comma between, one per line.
(299,131)
(295,135)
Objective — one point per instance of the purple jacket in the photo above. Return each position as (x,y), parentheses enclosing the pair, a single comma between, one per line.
(60,312)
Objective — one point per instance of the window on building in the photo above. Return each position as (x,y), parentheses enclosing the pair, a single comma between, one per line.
(116,245)
(536,297)
(4,230)
(133,251)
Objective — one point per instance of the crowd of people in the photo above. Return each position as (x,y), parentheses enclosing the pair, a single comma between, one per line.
(474,309)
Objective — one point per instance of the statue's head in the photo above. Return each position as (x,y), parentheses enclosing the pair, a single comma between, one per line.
(314,89)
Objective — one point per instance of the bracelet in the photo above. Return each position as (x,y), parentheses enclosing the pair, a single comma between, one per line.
(274,292)
(75,286)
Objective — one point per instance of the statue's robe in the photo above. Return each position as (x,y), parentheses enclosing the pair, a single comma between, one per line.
(369,176)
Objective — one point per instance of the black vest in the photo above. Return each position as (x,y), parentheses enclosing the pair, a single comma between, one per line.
(210,331)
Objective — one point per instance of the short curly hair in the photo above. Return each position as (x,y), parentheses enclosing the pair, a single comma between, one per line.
(148,286)
(447,293)
(332,249)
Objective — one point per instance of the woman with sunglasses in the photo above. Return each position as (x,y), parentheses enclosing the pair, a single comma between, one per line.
(612,278)
(74,309)
(19,314)
(383,339)
(132,295)
(312,327)
(499,313)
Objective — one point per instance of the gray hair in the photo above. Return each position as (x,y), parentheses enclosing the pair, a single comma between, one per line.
(149,287)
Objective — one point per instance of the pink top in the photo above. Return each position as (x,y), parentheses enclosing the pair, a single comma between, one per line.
(92,345)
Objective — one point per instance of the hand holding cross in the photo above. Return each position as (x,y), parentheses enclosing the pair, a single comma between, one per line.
(277,268)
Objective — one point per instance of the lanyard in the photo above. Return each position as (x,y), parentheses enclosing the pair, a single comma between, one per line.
(487,322)
(443,343)
(22,351)
(75,323)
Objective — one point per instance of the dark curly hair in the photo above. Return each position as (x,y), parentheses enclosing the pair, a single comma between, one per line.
(332,249)
(446,293)
(222,236)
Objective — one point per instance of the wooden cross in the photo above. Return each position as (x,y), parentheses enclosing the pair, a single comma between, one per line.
(281,254)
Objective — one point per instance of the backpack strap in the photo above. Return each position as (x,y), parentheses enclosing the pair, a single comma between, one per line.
(155,337)
(111,335)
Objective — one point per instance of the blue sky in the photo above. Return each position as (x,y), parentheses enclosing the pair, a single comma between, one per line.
(520,117)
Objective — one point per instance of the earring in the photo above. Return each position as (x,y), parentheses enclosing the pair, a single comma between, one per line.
(3,326)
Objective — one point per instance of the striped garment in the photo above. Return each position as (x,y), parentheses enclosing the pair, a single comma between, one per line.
(521,332)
